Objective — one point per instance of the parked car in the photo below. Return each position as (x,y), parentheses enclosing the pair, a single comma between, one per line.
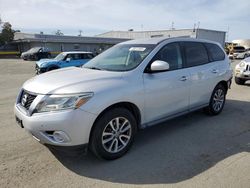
(62,60)
(242,55)
(238,50)
(133,85)
(242,71)
(36,53)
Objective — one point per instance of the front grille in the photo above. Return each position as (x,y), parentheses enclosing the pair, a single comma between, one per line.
(26,99)
(248,68)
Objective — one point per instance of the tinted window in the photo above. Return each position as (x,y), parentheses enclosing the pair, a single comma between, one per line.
(170,53)
(239,48)
(78,56)
(87,56)
(196,54)
(215,52)
(74,56)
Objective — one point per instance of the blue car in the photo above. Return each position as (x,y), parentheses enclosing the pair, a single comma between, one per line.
(64,59)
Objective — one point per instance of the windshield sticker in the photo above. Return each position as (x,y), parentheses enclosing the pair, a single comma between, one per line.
(138,49)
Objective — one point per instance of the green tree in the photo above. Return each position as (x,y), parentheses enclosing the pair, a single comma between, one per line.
(7,34)
(59,32)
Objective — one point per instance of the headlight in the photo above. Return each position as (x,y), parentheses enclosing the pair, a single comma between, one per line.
(62,102)
(242,64)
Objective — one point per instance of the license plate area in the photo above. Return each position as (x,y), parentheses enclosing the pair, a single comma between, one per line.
(246,74)
(19,122)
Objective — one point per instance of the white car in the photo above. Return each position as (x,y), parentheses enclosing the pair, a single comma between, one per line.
(133,85)
(242,55)
(242,71)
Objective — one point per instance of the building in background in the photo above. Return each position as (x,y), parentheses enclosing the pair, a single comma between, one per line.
(96,44)
(217,36)
(56,43)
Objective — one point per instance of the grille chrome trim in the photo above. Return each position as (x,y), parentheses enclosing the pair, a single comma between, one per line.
(26,99)
(248,68)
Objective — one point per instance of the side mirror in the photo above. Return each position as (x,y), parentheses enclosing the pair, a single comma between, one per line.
(158,66)
(68,59)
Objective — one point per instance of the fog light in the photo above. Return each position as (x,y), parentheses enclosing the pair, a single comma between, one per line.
(60,136)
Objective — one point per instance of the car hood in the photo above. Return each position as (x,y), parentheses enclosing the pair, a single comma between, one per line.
(43,62)
(25,53)
(72,80)
(247,60)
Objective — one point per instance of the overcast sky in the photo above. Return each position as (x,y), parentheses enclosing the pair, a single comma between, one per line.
(97,16)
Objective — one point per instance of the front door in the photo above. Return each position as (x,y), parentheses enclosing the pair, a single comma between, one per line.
(73,59)
(167,93)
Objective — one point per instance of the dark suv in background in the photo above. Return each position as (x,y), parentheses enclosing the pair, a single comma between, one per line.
(36,53)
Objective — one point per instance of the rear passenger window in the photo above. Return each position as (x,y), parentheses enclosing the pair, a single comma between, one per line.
(215,52)
(77,56)
(87,56)
(171,54)
(196,54)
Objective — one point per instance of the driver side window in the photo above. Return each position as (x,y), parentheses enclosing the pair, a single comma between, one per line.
(171,53)
(71,56)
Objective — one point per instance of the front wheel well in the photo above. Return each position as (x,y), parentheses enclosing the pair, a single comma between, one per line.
(127,105)
(52,67)
(224,84)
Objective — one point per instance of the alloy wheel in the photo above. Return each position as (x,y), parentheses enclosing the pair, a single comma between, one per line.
(218,100)
(116,134)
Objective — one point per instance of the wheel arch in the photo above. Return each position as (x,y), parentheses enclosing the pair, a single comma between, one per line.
(127,105)
(52,66)
(224,84)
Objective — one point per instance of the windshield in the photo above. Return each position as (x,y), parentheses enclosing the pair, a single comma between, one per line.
(239,49)
(36,49)
(122,57)
(60,57)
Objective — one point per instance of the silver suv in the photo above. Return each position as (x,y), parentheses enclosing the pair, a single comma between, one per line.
(131,86)
(242,72)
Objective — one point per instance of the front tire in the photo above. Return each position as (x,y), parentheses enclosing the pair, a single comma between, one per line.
(217,100)
(239,81)
(113,134)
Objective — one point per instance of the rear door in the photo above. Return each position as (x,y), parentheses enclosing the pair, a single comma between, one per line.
(167,93)
(203,73)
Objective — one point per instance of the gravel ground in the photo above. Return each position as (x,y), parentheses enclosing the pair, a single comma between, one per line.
(195,150)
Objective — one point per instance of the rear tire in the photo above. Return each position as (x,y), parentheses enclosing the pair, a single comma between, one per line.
(239,81)
(113,134)
(217,100)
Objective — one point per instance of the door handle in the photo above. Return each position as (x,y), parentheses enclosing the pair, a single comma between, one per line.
(215,71)
(183,78)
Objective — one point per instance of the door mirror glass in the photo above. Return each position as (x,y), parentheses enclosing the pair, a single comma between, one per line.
(68,59)
(158,66)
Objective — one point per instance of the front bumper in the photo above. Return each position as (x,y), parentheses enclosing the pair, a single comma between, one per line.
(39,70)
(75,126)
(245,75)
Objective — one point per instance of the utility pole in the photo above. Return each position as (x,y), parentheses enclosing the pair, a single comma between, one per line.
(80,33)
(227,37)
(172,26)
(197,30)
